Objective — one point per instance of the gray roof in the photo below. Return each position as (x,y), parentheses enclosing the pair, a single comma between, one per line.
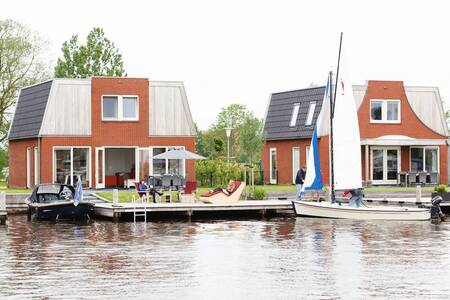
(276,124)
(30,110)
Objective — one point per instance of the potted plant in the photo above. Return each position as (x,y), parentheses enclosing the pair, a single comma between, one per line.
(441,190)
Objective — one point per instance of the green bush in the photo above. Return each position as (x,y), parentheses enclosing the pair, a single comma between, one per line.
(217,172)
(440,188)
(259,194)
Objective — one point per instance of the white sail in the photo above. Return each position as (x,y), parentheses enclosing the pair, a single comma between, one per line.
(346,139)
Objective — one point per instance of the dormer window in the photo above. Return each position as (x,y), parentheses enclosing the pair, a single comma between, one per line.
(384,111)
(311,109)
(120,108)
(294,115)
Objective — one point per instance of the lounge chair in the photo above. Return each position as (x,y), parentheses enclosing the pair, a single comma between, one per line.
(218,196)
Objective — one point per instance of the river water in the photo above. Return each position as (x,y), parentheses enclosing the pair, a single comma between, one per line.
(278,258)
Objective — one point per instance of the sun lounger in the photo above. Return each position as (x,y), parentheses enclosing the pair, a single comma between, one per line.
(218,196)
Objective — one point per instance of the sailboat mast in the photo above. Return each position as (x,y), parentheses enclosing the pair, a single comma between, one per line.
(332,104)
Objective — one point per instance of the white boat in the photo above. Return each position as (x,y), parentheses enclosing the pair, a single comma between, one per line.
(343,211)
(345,158)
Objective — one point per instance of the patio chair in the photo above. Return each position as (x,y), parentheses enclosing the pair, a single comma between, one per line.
(142,194)
(188,194)
(423,177)
(176,182)
(434,177)
(166,182)
(219,196)
(412,177)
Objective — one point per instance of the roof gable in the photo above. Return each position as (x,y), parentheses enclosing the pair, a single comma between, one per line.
(30,111)
(279,113)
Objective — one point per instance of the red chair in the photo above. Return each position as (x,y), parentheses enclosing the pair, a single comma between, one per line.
(188,194)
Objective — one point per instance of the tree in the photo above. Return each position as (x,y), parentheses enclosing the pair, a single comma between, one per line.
(21,64)
(251,139)
(98,57)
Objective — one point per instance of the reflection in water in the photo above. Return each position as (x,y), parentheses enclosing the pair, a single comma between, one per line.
(282,258)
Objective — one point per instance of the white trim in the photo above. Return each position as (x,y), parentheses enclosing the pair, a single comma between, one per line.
(272,180)
(36,165)
(28,166)
(399,161)
(424,157)
(89,162)
(295,170)
(97,184)
(384,111)
(403,142)
(120,117)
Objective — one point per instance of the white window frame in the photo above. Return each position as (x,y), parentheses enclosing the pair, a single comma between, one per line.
(28,167)
(294,115)
(271,179)
(310,115)
(384,111)
(36,165)
(424,158)
(295,170)
(399,164)
(120,117)
(71,162)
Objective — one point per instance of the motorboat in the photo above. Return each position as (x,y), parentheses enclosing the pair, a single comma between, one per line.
(57,201)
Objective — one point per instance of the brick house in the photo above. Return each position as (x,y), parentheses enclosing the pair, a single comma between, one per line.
(403,129)
(104,129)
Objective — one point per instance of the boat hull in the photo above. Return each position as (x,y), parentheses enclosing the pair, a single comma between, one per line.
(336,211)
(61,210)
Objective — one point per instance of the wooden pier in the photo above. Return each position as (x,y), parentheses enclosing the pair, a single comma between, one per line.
(262,207)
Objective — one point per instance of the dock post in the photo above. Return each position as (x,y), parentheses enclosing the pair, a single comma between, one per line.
(3,214)
(418,193)
(116,217)
(115,196)
(189,213)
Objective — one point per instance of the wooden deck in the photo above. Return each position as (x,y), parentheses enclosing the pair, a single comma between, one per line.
(116,211)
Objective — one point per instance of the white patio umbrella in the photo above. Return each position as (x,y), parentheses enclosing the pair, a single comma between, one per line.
(178,154)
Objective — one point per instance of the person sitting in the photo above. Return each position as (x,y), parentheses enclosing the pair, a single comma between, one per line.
(356,199)
(228,191)
(142,189)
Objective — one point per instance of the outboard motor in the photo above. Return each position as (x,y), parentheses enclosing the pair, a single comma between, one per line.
(435,210)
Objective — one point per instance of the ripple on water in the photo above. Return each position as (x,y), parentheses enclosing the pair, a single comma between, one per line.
(281,258)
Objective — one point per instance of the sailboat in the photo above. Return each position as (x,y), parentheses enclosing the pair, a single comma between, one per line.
(345,162)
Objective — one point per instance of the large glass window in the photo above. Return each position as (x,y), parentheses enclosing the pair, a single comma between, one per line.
(70,164)
(62,165)
(159,165)
(385,111)
(424,159)
(81,165)
(120,108)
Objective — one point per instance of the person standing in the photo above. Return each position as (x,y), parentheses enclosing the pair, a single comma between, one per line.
(299,181)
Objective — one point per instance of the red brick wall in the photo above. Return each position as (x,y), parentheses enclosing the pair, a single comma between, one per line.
(18,162)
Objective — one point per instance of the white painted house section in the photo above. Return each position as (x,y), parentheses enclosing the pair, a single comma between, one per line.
(169,112)
(68,110)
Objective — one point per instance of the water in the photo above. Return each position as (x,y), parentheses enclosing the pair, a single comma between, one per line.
(281,258)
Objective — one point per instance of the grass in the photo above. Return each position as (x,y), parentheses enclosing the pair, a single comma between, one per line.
(4,188)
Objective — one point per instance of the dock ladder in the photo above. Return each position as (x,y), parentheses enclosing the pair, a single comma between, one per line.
(137,212)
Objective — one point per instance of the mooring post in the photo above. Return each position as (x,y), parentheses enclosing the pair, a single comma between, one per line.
(3,215)
(115,196)
(418,193)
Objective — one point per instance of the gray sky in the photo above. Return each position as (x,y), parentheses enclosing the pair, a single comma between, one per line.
(241,51)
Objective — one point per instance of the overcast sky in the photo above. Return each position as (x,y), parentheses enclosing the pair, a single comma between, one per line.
(241,51)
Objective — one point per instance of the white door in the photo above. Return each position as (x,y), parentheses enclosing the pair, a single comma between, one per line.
(295,162)
(385,164)
(36,166)
(100,168)
(273,165)
(28,167)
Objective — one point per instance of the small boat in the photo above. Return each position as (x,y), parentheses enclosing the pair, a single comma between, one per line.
(344,211)
(57,201)
(345,163)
